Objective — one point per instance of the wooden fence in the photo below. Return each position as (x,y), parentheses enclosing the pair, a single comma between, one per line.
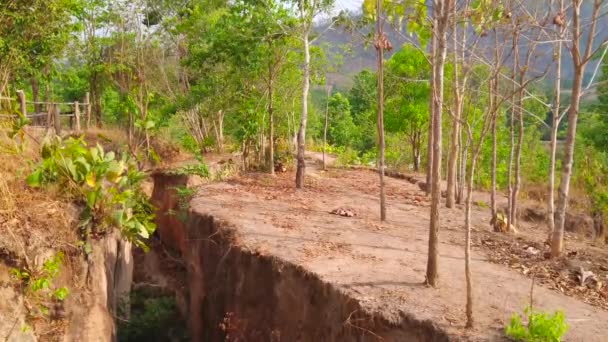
(58,115)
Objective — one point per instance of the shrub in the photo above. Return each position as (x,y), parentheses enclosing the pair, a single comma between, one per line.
(152,319)
(107,187)
(542,327)
(346,157)
(38,284)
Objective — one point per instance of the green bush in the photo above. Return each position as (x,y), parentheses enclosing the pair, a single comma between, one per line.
(347,157)
(152,319)
(39,284)
(542,327)
(107,187)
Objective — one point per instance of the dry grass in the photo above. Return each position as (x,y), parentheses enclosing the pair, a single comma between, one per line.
(35,223)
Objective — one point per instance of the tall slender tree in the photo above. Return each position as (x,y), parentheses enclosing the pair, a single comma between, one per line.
(558,22)
(582,49)
(381,43)
(441,13)
(307,12)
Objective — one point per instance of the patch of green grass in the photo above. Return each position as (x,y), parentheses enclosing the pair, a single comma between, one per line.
(541,327)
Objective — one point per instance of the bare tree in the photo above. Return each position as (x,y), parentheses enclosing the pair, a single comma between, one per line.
(558,21)
(581,51)
(493,88)
(461,69)
(456,113)
(430,136)
(381,43)
(441,15)
(475,148)
(306,19)
(308,10)
(328,89)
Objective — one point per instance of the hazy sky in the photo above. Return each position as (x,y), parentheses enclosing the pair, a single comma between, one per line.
(348,4)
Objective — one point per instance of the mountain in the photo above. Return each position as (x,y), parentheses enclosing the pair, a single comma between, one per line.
(357,54)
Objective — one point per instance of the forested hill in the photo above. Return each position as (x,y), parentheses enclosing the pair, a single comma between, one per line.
(356,54)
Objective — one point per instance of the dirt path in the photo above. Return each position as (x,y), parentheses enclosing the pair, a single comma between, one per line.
(383,265)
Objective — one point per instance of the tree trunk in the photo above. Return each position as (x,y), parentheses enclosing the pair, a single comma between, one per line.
(553,152)
(512,134)
(380,112)
(520,140)
(454,148)
(494,107)
(437,91)
(220,124)
(301,168)
(493,193)
(564,186)
(455,138)
(554,127)
(462,172)
(325,127)
(95,99)
(578,63)
(430,144)
(467,248)
(270,122)
(416,151)
(452,164)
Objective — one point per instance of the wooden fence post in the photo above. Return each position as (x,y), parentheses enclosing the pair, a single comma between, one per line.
(77,115)
(22,106)
(49,116)
(57,119)
(87,108)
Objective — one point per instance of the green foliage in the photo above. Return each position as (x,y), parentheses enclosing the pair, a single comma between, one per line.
(341,129)
(541,327)
(224,172)
(184,195)
(109,188)
(33,32)
(591,159)
(407,93)
(346,156)
(152,319)
(413,12)
(199,169)
(38,284)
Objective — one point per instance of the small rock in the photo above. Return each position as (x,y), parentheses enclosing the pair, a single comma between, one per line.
(532,251)
(346,212)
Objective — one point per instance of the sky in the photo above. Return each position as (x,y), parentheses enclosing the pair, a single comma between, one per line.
(348,4)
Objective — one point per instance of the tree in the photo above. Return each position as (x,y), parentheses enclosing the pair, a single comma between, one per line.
(381,43)
(341,128)
(307,10)
(32,34)
(328,88)
(362,99)
(555,117)
(442,10)
(273,24)
(583,47)
(407,74)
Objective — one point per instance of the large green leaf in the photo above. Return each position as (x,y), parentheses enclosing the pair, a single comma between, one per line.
(35,178)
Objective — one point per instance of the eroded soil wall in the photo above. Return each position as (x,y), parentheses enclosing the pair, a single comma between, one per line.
(237,294)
